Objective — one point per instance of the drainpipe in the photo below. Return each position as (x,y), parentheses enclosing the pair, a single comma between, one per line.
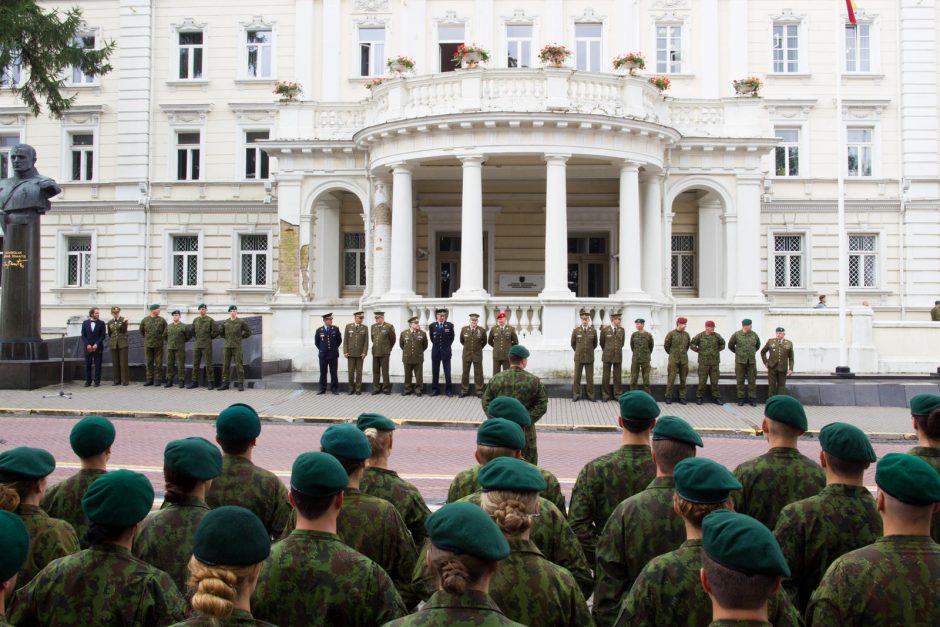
(145,201)
(902,192)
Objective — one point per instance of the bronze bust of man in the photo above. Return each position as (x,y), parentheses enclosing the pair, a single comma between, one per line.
(27,190)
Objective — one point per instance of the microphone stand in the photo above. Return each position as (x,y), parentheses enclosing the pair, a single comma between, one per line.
(62,393)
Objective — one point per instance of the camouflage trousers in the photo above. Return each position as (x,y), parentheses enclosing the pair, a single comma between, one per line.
(531,451)
(637,368)
(605,380)
(500,365)
(588,368)
(776,382)
(230,353)
(707,374)
(176,364)
(119,367)
(200,355)
(681,369)
(153,359)
(380,380)
(477,365)
(355,373)
(748,371)
(416,370)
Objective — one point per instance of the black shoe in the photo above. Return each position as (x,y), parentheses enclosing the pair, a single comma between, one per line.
(682,401)
(698,401)
(740,402)
(717,401)
(87,384)
(241,386)
(462,395)
(376,392)
(418,394)
(436,393)
(223,387)
(387,392)
(182,385)
(148,383)
(449,394)
(406,393)
(753,404)
(210,387)
(321,392)
(575,400)
(168,384)
(669,401)
(193,386)
(335,392)
(126,383)
(358,393)
(116,383)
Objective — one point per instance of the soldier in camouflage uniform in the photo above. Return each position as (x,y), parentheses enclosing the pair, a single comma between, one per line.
(777,356)
(91,439)
(502,337)
(583,343)
(234,330)
(745,344)
(524,387)
(843,517)
(177,334)
(383,341)
(894,580)
(935,312)
(356,341)
(925,414)
(708,345)
(641,343)
(782,475)
(117,343)
(606,481)
(677,346)
(204,330)
(413,342)
(473,339)
(14,538)
(153,330)
(644,525)
(312,576)
(612,339)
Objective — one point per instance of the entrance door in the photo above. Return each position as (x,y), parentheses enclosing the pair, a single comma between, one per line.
(588,265)
(447,264)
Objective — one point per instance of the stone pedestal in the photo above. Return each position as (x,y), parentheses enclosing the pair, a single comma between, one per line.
(29,374)
(19,315)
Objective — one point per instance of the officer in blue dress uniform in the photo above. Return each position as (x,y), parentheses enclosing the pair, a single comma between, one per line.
(328,339)
(442,337)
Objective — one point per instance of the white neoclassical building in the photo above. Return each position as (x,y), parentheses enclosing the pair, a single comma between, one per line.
(516,187)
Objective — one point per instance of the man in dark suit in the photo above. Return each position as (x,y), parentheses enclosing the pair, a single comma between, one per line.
(328,340)
(442,337)
(93,334)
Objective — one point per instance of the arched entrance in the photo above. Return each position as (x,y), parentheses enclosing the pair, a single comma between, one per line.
(334,246)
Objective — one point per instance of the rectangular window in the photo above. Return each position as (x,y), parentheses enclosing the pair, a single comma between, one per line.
(449,38)
(259,48)
(788,261)
(83,156)
(78,261)
(683,261)
(78,76)
(787,152)
(519,45)
(858,47)
(185,261)
(256,160)
(587,46)
(6,144)
(371,51)
(786,48)
(863,261)
(354,260)
(253,253)
(859,151)
(187,156)
(11,74)
(191,54)
(669,49)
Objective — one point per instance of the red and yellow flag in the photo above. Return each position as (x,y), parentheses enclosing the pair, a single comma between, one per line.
(850,8)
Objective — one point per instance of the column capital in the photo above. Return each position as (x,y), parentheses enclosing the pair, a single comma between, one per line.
(556,157)
(400,167)
(471,160)
(630,166)
(651,177)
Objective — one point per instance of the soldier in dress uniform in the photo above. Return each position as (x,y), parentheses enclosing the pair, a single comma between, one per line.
(502,337)
(413,342)
(777,356)
(153,330)
(442,338)
(641,343)
(234,330)
(204,329)
(612,339)
(117,342)
(677,345)
(177,334)
(328,340)
(583,342)
(935,312)
(356,341)
(745,344)
(473,339)
(383,341)
(708,345)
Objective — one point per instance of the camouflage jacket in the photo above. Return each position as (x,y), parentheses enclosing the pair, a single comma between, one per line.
(466,482)
(641,343)
(386,484)
(612,340)
(313,578)
(744,346)
(524,386)
(165,538)
(813,532)
(890,582)
(117,333)
(49,539)
(583,343)
(256,489)
(601,485)
(443,609)
(238,618)
(154,330)
(413,344)
(668,591)
(932,457)
(677,345)
(234,331)
(204,331)
(639,529)
(103,586)
(177,334)
(708,347)
(502,339)
(64,501)
(773,480)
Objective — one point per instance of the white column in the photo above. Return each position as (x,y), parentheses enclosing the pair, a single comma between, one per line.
(709,251)
(749,237)
(729,221)
(330,37)
(134,101)
(403,236)
(556,228)
(326,281)
(303,47)
(471,229)
(630,285)
(381,241)
(652,236)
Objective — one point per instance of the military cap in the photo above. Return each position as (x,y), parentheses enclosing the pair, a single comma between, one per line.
(710,323)
(509,473)
(924,404)
(675,428)
(91,435)
(115,309)
(519,351)
(231,536)
(682,320)
(378,313)
(232,308)
(440,311)
(120,498)
(318,474)
(154,306)
(781,330)
(466,529)
(640,320)
(702,480)
(638,405)
(193,457)
(15,542)
(908,478)
(847,442)
(238,422)
(616,316)
(936,302)
(742,544)
(346,440)
(413,319)
(746,322)
(175,312)
(202,306)
(511,409)
(24,463)
(375,421)
(359,313)
(501,315)
(787,410)
(584,314)
(474,316)
(502,433)
(328,316)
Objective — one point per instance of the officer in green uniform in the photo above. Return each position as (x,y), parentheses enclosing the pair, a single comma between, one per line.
(935,312)
(91,439)
(502,337)
(777,356)
(745,344)
(105,584)
(843,517)
(641,343)
(612,339)
(413,342)
(677,346)
(925,416)
(15,542)
(473,340)
(234,330)
(177,334)
(153,330)
(708,345)
(583,343)
(892,581)
(356,341)
(350,589)
(204,330)
(782,475)
(165,538)
(117,343)
(383,341)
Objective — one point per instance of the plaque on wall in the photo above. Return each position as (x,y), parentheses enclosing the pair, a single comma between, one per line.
(521,283)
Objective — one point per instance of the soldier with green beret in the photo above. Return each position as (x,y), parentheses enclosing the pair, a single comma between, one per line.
(641,344)
(843,517)
(612,340)
(708,345)
(165,538)
(23,473)
(525,387)
(340,585)
(153,329)
(892,581)
(383,341)
(925,416)
(583,343)
(473,340)
(234,330)
(356,343)
(105,584)
(606,481)
(204,330)
(935,312)
(777,356)
(511,408)
(677,346)
(745,344)
(413,342)
(643,525)
(243,483)
(782,475)
(14,538)
(177,334)
(117,343)
(91,439)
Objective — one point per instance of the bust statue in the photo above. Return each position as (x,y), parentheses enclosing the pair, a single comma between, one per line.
(27,190)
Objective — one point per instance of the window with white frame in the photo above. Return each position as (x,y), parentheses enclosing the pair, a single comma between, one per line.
(259,47)
(859,147)
(787,152)
(77,75)
(82,156)
(518,45)
(354,260)
(7,141)
(669,48)
(11,75)
(256,159)
(77,260)
(449,38)
(253,258)
(184,260)
(683,261)
(191,53)
(187,155)
(788,260)
(587,46)
(858,47)
(786,47)
(371,50)
(863,261)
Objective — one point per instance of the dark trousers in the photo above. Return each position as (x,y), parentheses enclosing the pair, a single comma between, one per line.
(93,358)
(588,368)
(200,355)
(436,363)
(500,364)
(326,363)
(606,380)
(477,365)
(776,382)
(119,367)
(746,371)
(380,378)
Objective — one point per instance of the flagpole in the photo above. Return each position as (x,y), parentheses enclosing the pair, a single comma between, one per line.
(841,165)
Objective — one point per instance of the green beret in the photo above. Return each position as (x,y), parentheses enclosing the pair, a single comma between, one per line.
(787,410)
(193,457)
(154,306)
(519,351)
(375,421)
(742,544)
(91,436)
(746,322)
(675,428)
(318,474)
(231,536)
(509,473)
(120,498)
(501,432)
(702,480)
(15,542)
(238,422)
(232,308)
(908,478)
(923,404)
(202,306)
(466,529)
(847,442)
(24,463)
(510,408)
(346,440)
(638,405)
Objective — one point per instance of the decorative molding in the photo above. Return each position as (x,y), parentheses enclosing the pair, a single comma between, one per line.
(670,4)
(589,17)
(83,115)
(519,18)
(372,20)
(180,113)
(797,110)
(371,6)
(450,19)
(786,16)
(254,111)
(863,109)
(189,24)
(257,23)
(13,116)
